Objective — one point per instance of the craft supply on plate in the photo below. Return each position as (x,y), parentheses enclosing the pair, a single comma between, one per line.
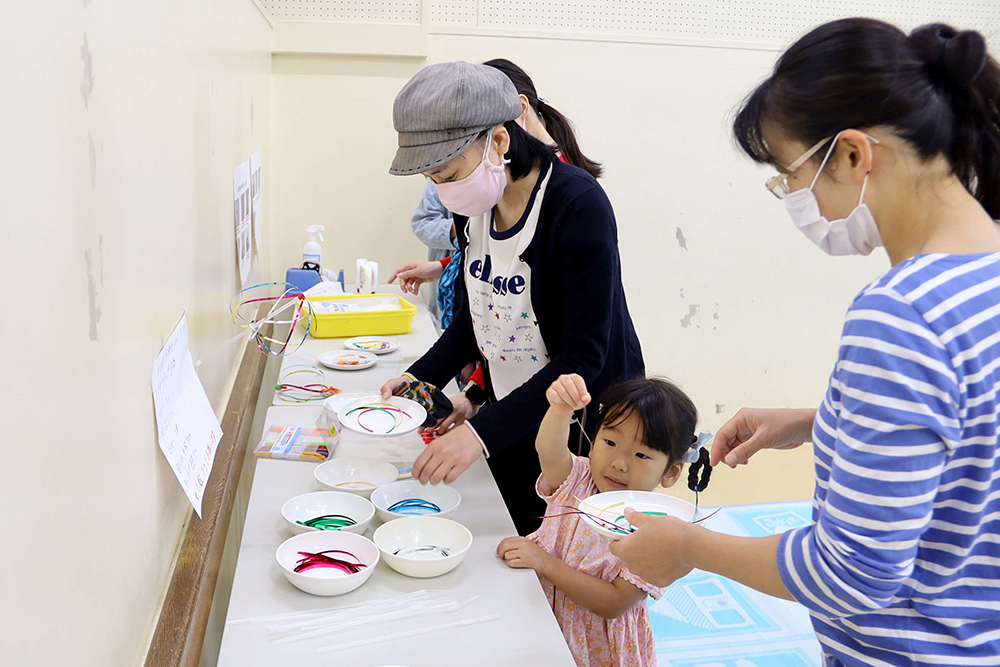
(348,361)
(390,418)
(604,512)
(293,443)
(275,328)
(373,344)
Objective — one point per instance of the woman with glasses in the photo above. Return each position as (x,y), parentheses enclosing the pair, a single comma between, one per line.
(882,139)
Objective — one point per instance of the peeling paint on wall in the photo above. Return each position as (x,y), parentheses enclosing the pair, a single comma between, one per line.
(93,160)
(681,241)
(87,87)
(94,306)
(692,311)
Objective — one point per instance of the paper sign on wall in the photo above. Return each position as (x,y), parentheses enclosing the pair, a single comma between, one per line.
(242,208)
(257,197)
(187,429)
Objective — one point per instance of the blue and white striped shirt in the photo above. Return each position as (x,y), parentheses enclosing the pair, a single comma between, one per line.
(902,563)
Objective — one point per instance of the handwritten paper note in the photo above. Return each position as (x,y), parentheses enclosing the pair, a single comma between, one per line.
(188,430)
(242,207)
(257,196)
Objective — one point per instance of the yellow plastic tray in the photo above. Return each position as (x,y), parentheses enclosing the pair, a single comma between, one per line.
(368,323)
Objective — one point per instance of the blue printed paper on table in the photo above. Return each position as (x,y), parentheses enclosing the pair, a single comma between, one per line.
(705,620)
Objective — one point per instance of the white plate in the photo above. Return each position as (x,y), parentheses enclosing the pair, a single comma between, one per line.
(611,506)
(344,361)
(379,344)
(382,424)
(337,401)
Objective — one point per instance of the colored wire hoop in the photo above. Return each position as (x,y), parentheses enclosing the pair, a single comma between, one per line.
(411,551)
(387,408)
(416,506)
(291,299)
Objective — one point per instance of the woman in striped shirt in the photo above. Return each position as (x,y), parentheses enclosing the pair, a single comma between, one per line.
(882,138)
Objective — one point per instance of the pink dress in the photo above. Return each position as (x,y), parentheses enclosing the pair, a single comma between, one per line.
(594,641)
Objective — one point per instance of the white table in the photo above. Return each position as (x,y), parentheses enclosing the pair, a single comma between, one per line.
(525,634)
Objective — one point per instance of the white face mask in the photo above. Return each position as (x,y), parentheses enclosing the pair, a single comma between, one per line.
(857,234)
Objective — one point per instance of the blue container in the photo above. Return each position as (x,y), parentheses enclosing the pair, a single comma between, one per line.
(302,278)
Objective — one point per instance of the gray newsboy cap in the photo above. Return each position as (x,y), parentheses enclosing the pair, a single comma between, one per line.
(443,108)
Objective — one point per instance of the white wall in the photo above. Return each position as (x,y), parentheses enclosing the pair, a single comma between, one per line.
(120,126)
(768,306)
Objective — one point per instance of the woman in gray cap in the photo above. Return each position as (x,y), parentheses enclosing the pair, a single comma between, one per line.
(539,293)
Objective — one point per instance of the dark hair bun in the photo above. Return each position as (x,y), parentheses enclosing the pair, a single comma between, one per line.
(956,57)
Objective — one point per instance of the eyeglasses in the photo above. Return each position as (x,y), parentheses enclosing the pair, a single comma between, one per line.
(778,184)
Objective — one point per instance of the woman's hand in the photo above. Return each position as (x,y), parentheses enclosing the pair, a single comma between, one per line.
(754,429)
(413,275)
(520,552)
(568,394)
(659,548)
(390,387)
(447,457)
(462,409)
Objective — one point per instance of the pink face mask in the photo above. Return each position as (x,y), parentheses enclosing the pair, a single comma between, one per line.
(478,192)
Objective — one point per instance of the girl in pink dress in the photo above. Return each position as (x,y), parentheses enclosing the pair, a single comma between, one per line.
(645,435)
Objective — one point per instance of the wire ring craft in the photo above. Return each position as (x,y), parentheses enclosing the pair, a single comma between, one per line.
(387,408)
(302,390)
(289,308)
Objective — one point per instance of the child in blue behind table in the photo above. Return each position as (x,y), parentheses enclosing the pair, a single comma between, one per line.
(646,434)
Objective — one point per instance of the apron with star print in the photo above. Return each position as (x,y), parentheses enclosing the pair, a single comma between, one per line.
(499,287)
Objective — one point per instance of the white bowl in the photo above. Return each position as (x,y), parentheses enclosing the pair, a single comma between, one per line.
(355,475)
(611,506)
(441,495)
(326,581)
(416,531)
(319,503)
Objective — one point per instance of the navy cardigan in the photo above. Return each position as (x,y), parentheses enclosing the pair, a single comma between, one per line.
(577,295)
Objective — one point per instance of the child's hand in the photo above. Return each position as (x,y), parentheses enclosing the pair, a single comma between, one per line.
(521,552)
(568,393)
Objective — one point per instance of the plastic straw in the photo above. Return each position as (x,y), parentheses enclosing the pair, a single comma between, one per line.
(409,633)
(397,615)
(259,620)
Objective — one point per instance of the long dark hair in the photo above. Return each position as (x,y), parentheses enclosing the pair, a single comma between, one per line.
(936,88)
(557,124)
(668,418)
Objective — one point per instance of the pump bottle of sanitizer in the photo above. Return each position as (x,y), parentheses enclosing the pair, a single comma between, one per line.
(313,251)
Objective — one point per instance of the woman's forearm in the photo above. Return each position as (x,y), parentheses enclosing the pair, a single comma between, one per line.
(751,561)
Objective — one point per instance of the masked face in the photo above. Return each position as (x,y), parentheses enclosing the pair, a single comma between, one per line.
(478,192)
(857,234)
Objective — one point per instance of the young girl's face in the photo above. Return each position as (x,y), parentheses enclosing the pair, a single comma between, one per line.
(619,459)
